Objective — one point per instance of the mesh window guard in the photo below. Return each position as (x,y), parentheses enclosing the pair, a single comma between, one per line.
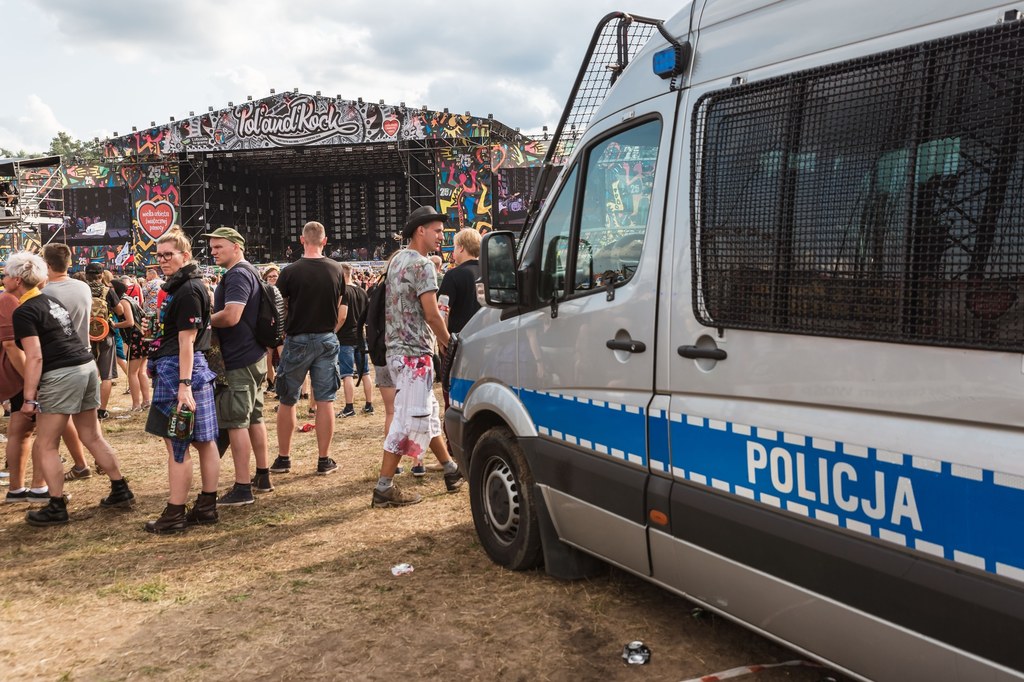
(880,198)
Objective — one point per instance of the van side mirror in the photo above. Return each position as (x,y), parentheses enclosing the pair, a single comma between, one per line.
(498,270)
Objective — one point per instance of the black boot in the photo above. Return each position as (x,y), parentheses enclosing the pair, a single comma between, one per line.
(204,510)
(53,514)
(171,521)
(120,495)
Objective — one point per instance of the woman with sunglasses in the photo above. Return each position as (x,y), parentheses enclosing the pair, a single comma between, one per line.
(183,380)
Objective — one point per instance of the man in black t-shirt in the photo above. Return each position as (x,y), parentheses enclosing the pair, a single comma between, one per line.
(352,358)
(312,288)
(459,283)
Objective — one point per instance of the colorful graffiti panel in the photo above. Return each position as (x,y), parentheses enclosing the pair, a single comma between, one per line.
(92,176)
(155,202)
(464,188)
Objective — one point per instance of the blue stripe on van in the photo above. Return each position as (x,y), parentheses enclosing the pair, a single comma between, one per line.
(610,429)
(960,513)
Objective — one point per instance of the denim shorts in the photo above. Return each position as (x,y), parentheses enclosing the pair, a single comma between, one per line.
(347,362)
(313,353)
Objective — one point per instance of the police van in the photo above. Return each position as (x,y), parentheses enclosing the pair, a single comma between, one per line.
(763,343)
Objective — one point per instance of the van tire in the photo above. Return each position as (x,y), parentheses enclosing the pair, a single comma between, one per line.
(501,494)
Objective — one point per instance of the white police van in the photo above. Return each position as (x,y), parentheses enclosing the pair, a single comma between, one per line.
(764,343)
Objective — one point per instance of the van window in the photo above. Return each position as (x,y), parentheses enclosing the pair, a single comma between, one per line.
(877,198)
(555,234)
(616,206)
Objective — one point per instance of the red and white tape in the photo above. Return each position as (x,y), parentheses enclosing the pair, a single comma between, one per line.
(748,670)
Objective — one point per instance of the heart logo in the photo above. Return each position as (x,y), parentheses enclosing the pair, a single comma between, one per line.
(155,217)
(391,126)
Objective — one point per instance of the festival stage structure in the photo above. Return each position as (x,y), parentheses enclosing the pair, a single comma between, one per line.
(268,166)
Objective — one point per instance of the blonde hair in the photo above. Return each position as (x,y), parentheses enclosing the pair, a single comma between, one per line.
(176,237)
(314,233)
(269,269)
(469,239)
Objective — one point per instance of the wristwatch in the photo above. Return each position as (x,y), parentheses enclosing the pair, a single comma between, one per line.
(185,382)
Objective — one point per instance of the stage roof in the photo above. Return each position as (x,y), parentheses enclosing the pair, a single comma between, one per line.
(298,120)
(7,165)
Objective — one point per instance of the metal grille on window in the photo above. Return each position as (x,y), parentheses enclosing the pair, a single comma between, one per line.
(875,199)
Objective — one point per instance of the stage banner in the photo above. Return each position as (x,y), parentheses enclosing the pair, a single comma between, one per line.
(464,189)
(155,205)
(295,119)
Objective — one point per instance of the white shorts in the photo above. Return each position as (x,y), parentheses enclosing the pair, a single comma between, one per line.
(417,417)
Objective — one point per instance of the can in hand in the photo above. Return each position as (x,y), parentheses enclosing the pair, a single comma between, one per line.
(181,423)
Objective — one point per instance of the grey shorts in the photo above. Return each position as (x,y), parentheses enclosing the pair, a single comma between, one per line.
(382,377)
(69,390)
(240,403)
(106,358)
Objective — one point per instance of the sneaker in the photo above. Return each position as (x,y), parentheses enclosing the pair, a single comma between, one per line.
(325,465)
(75,474)
(394,497)
(53,514)
(347,412)
(399,470)
(281,465)
(261,483)
(26,496)
(236,497)
(418,470)
(103,414)
(454,481)
(120,496)
(367,408)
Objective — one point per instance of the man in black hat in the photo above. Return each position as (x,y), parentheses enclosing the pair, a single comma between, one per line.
(412,322)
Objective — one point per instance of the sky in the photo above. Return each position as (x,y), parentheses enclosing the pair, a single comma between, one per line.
(95,67)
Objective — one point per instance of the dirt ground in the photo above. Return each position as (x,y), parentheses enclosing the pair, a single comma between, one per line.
(298,587)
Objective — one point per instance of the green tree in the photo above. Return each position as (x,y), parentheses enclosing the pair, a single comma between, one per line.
(20,154)
(74,152)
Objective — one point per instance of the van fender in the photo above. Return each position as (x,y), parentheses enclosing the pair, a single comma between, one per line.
(496,397)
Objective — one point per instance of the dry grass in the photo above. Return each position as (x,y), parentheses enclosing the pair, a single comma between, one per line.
(298,586)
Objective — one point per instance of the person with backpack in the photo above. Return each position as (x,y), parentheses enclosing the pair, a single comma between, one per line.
(352,358)
(412,323)
(104,302)
(130,327)
(236,318)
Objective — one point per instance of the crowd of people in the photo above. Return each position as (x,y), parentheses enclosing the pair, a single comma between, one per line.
(195,361)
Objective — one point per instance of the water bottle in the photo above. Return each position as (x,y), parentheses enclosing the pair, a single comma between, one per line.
(442,305)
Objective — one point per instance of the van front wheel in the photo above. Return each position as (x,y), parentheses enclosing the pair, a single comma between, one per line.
(501,497)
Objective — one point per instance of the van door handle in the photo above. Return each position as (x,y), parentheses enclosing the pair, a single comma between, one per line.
(696,353)
(628,346)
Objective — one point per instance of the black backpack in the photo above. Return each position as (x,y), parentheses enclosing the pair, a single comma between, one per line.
(375,322)
(269,329)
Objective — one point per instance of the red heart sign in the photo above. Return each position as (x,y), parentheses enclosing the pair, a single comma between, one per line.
(391,126)
(155,217)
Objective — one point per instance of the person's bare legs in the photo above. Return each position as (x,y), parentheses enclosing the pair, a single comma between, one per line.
(286,422)
(74,446)
(19,450)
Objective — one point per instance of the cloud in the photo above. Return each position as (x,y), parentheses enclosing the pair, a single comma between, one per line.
(32,128)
